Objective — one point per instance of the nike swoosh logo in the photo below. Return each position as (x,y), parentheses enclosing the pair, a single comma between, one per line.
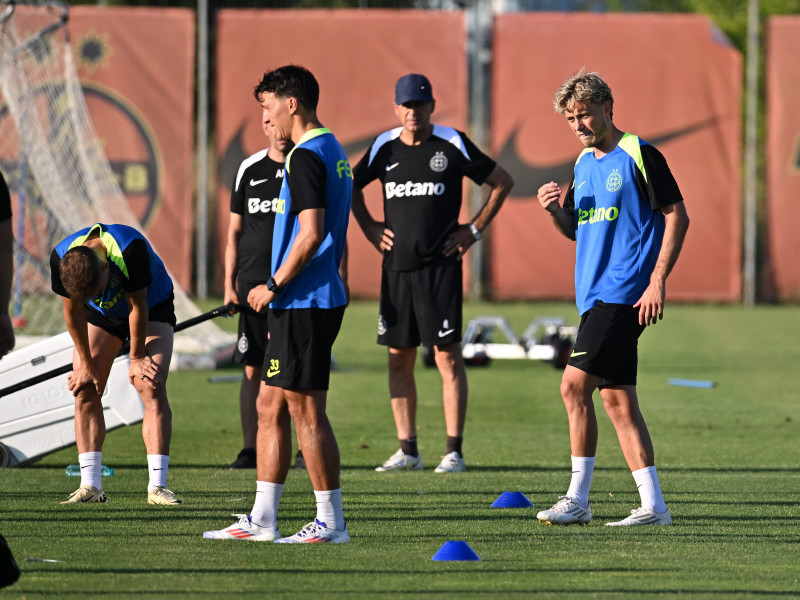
(159,469)
(581,185)
(528,177)
(254,183)
(86,466)
(390,167)
(444,333)
(577,353)
(271,373)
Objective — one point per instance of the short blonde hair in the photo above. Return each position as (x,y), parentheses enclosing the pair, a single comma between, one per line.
(587,88)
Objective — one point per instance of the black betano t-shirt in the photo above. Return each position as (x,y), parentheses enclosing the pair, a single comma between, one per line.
(254,196)
(422,190)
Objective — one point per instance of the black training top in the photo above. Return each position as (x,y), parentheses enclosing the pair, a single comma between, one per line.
(255,195)
(422,190)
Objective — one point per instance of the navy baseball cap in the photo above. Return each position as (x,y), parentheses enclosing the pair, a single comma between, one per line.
(413,88)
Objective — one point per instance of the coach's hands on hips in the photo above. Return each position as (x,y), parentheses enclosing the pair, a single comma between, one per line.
(380,236)
(548,196)
(146,370)
(459,241)
(260,297)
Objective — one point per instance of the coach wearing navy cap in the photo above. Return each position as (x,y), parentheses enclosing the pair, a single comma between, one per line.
(413,88)
(421,167)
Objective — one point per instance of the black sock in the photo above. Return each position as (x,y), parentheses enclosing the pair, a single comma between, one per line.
(409,446)
(454,445)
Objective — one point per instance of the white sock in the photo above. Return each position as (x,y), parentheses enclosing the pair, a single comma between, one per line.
(90,463)
(265,508)
(329,508)
(650,491)
(157,465)
(582,471)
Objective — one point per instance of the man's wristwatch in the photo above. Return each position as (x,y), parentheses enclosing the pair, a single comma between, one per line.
(475,232)
(272,286)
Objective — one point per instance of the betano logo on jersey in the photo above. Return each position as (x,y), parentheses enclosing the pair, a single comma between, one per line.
(595,215)
(108,303)
(256,205)
(410,188)
(279,206)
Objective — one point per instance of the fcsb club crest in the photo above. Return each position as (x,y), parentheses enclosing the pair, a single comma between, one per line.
(381,325)
(243,345)
(614,181)
(438,162)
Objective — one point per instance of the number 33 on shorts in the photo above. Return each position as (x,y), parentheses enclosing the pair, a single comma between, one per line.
(274,367)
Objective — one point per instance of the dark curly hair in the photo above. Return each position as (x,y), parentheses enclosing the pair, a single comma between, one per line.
(290,81)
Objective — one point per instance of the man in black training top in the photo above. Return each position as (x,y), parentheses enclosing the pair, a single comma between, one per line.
(421,168)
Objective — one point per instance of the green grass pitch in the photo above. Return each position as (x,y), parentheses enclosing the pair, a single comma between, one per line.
(728,460)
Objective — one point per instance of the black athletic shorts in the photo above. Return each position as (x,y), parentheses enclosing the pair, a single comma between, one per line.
(163,312)
(607,343)
(421,306)
(299,348)
(253,330)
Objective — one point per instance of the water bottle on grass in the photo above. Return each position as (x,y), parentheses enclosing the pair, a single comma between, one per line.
(75,471)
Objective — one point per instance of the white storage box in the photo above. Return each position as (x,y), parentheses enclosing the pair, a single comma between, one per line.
(40,419)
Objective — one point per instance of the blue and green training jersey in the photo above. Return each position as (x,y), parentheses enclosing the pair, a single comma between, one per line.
(133,266)
(616,202)
(317,175)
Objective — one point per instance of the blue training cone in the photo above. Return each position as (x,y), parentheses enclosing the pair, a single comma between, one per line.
(456,551)
(512,500)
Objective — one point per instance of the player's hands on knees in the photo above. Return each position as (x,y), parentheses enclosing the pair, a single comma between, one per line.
(548,196)
(146,370)
(81,377)
(259,298)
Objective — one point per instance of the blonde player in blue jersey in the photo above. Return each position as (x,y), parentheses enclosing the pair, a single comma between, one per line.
(627,216)
(306,298)
(115,287)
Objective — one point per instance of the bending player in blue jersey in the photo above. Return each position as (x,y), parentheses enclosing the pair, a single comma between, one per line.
(627,215)
(114,287)
(306,299)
